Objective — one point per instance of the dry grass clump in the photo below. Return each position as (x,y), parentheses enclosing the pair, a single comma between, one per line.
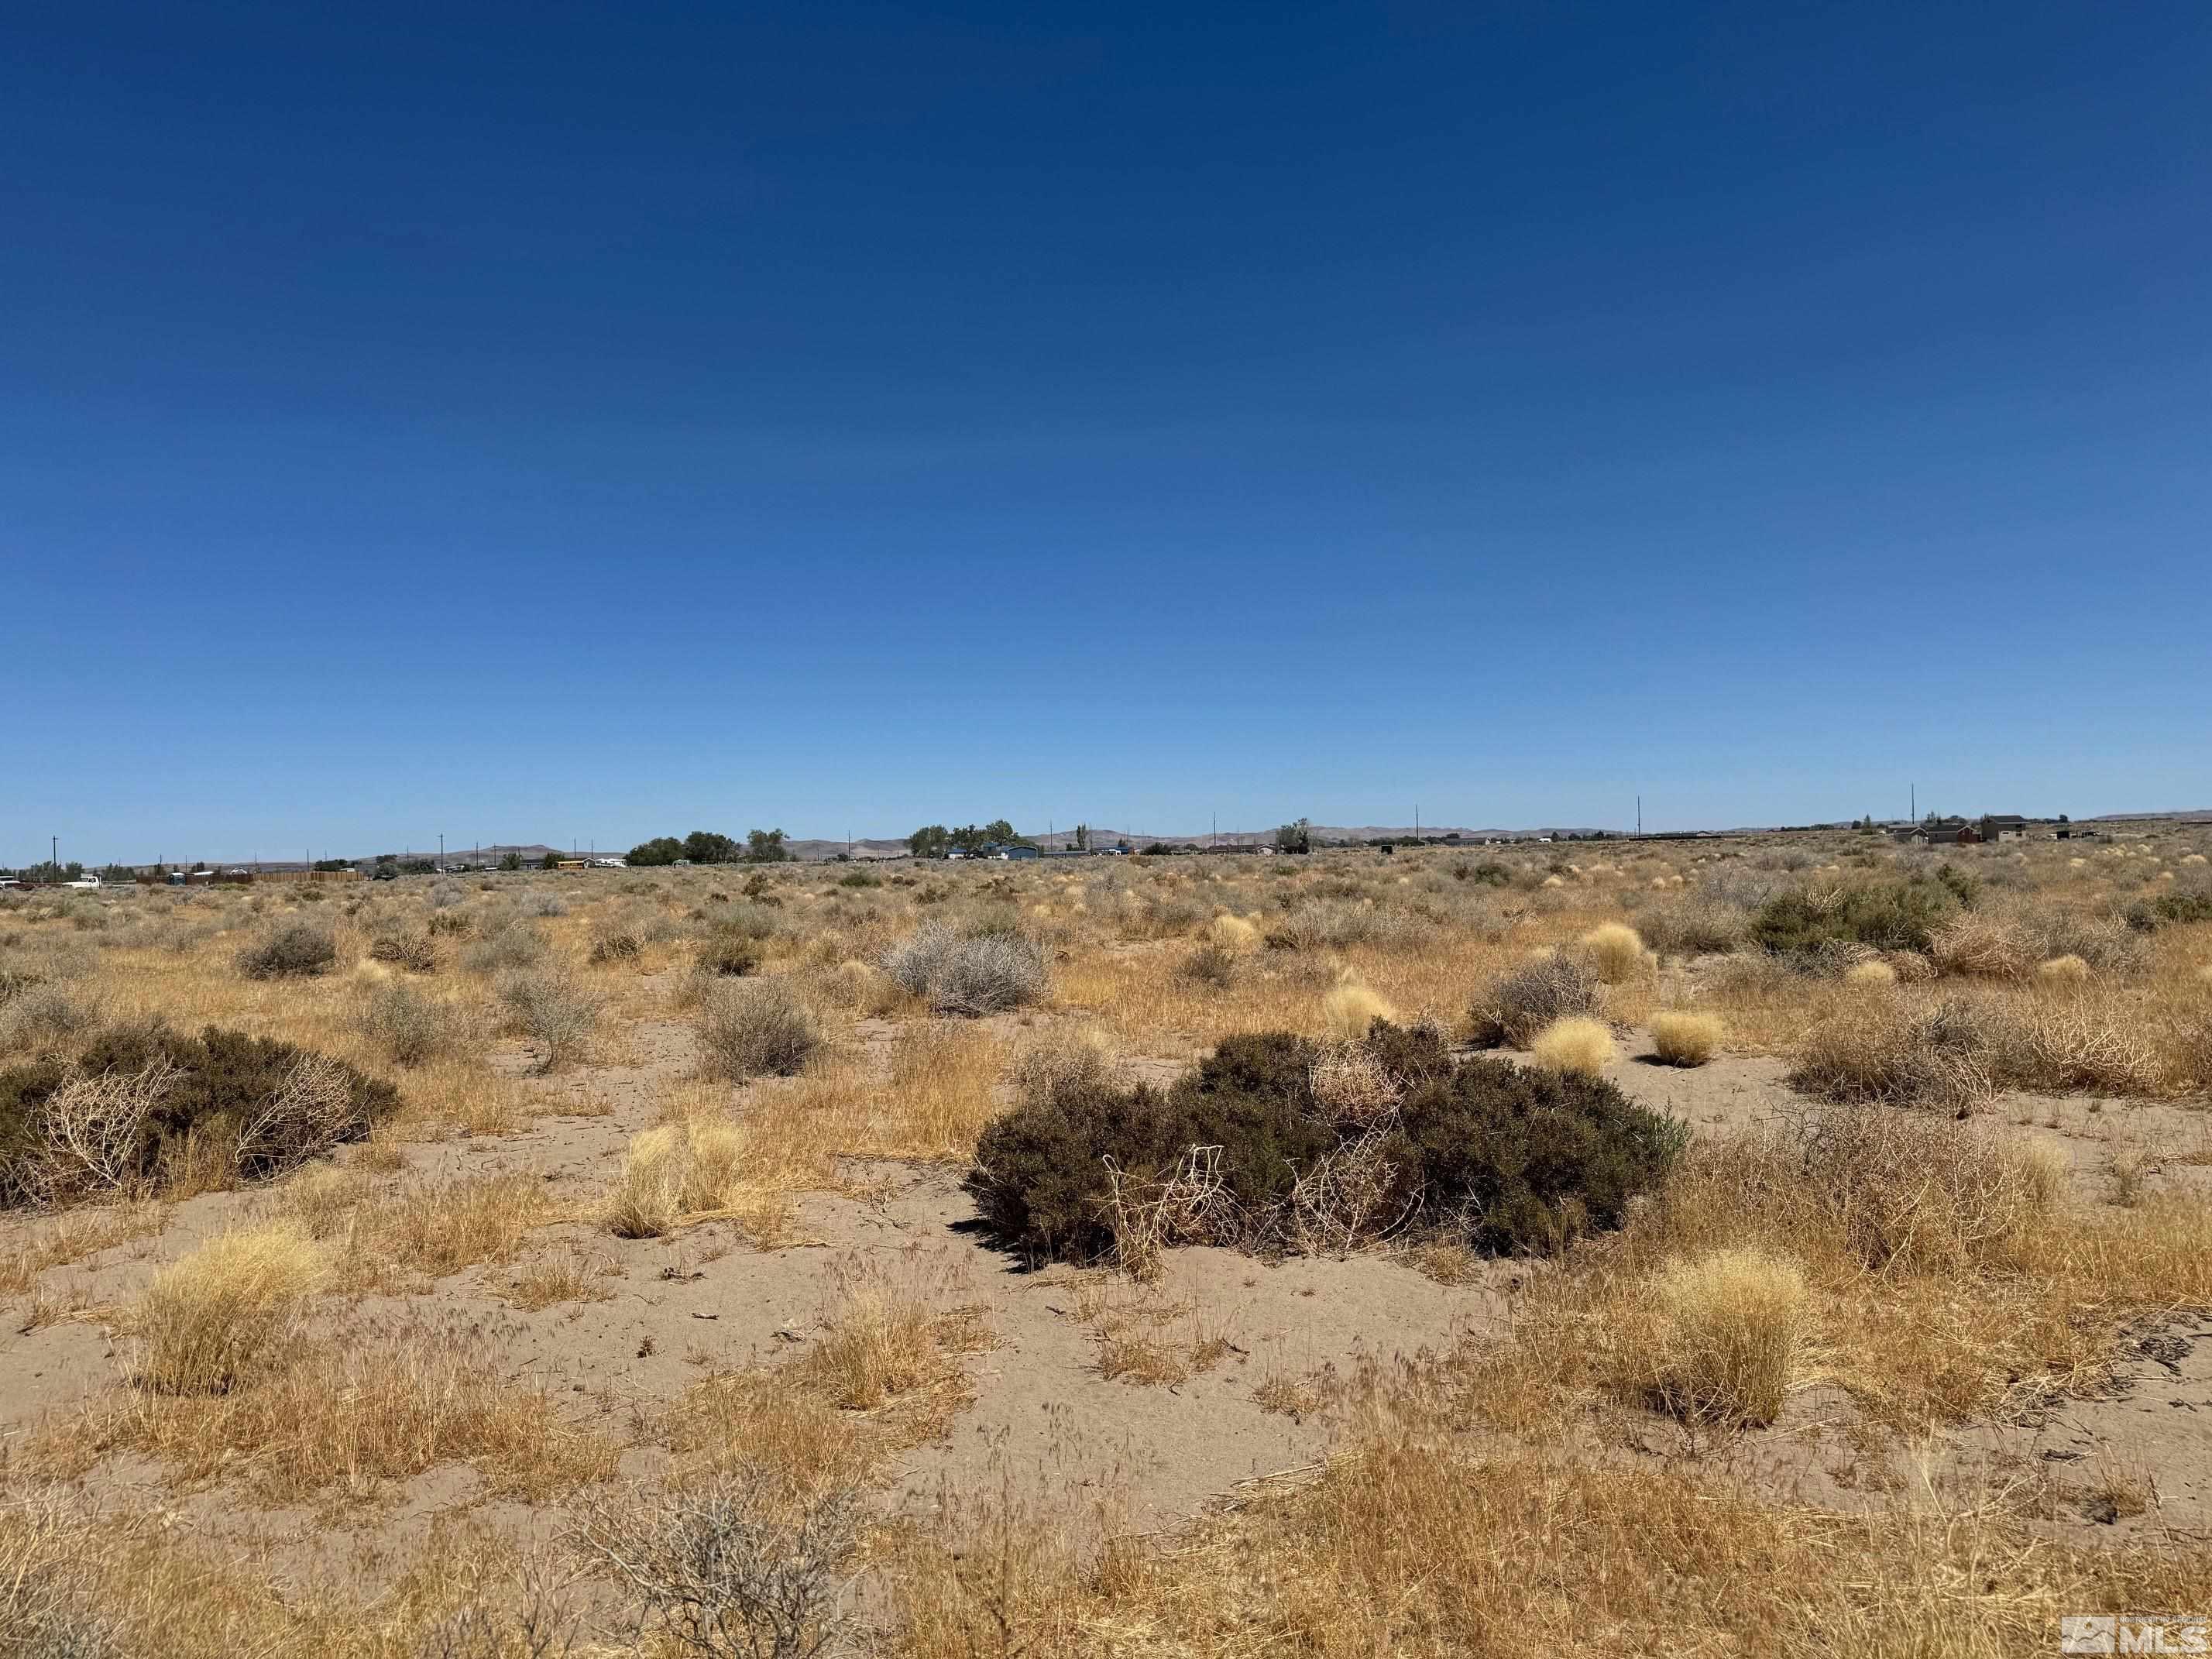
(884,1373)
(940,1090)
(1681,1037)
(1351,1006)
(751,1028)
(438,1228)
(228,1308)
(2062,971)
(1615,951)
(1875,970)
(675,1173)
(1575,1045)
(1551,986)
(1234,934)
(1729,1326)
(347,1415)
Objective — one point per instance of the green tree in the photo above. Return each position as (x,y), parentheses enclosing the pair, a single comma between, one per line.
(930,841)
(999,830)
(969,839)
(1082,837)
(705,847)
(550,861)
(510,860)
(1295,837)
(662,849)
(332,865)
(765,847)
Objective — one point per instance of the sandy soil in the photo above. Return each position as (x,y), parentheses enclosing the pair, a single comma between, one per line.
(1044,1414)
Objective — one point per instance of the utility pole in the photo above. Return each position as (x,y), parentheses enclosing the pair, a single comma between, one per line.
(1639,818)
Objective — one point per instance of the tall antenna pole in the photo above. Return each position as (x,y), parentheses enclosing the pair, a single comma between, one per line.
(1639,818)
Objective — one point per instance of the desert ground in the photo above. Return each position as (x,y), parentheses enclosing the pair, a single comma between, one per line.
(1783,1245)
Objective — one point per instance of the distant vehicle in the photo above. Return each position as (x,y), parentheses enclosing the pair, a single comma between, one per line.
(611,863)
(85,883)
(385,872)
(10,881)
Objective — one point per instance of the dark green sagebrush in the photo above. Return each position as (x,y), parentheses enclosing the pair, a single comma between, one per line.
(1503,1158)
(240,1095)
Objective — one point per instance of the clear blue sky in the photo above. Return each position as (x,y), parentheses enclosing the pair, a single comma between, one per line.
(602,421)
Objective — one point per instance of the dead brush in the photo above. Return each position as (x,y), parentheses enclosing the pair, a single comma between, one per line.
(1913,1193)
(312,1112)
(1189,1205)
(2083,1041)
(1877,1049)
(416,952)
(1988,947)
(1551,986)
(738,1563)
(1353,1196)
(1351,1084)
(91,1131)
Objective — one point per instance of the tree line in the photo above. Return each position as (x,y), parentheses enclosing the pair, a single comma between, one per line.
(934,840)
(707,847)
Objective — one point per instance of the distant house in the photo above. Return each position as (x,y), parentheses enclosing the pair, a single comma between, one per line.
(2004,826)
(1942,832)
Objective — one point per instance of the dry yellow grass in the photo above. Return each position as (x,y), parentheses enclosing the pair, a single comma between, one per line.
(1406,1545)
(884,1373)
(1683,1038)
(342,1418)
(648,1197)
(2062,971)
(1874,972)
(1576,1044)
(1729,1326)
(1941,1281)
(232,1307)
(1233,933)
(1351,1006)
(1615,950)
